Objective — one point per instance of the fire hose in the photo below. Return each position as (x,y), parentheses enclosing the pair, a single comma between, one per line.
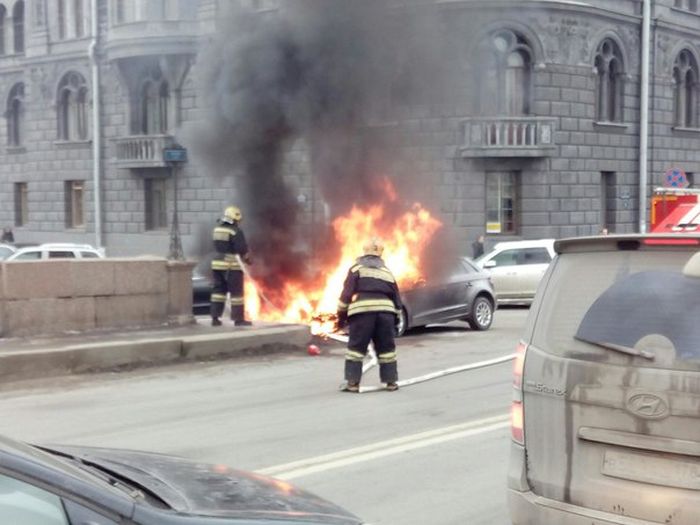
(373,361)
(419,379)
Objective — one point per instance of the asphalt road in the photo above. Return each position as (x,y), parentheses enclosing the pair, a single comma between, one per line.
(435,452)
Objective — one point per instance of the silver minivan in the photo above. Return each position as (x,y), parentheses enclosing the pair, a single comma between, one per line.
(606,407)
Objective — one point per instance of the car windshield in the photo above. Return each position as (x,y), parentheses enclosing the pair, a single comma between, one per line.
(632,302)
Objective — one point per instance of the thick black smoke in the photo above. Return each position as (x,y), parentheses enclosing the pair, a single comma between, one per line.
(318,70)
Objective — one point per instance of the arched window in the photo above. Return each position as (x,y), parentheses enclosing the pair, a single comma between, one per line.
(18,25)
(685,80)
(15,115)
(610,72)
(3,30)
(155,104)
(507,84)
(72,107)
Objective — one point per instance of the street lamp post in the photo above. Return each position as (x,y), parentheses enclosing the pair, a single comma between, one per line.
(175,156)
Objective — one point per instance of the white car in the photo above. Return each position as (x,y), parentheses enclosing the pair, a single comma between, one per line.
(56,251)
(6,250)
(516,268)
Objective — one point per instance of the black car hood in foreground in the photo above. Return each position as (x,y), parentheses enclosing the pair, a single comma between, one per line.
(213,490)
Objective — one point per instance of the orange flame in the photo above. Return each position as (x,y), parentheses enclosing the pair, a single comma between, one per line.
(405,238)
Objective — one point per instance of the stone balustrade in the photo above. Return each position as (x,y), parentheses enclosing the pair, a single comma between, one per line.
(58,296)
(509,137)
(141,151)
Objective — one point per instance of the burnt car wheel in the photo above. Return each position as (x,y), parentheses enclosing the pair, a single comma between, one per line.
(402,323)
(481,315)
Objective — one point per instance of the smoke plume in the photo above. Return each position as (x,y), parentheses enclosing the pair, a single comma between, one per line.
(320,71)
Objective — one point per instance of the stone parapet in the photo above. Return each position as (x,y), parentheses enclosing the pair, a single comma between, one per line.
(52,297)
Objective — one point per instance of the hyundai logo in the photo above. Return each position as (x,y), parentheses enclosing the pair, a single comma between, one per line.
(647,406)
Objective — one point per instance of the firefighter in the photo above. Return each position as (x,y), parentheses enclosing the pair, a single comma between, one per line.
(370,304)
(231,248)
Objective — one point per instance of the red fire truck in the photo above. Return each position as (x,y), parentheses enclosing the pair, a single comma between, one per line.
(675,210)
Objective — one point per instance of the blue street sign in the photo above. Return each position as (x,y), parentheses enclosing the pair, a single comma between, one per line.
(175,155)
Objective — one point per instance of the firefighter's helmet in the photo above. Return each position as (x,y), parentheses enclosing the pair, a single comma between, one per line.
(373,246)
(233,214)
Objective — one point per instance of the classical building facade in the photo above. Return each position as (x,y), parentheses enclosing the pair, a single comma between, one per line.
(539,137)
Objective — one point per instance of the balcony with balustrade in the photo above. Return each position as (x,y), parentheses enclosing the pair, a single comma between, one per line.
(529,137)
(141,151)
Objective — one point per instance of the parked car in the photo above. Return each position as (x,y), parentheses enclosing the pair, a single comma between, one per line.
(6,250)
(516,268)
(605,420)
(55,251)
(42,485)
(201,287)
(463,292)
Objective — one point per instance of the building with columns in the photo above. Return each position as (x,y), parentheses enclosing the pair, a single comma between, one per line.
(539,136)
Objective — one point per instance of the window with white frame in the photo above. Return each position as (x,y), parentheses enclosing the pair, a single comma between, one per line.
(21,203)
(610,71)
(15,115)
(502,202)
(155,203)
(685,86)
(506,87)
(74,195)
(72,107)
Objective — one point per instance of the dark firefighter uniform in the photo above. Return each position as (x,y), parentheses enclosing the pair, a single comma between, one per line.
(231,248)
(369,303)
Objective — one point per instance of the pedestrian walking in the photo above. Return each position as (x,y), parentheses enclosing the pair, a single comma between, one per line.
(369,304)
(7,236)
(478,247)
(231,251)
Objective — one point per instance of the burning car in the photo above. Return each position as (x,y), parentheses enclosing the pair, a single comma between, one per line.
(462,292)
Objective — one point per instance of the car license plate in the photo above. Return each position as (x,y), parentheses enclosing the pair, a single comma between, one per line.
(646,468)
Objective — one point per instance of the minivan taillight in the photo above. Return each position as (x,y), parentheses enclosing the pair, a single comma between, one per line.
(517,423)
(517,414)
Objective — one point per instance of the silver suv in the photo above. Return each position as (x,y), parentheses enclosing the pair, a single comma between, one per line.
(606,409)
(56,251)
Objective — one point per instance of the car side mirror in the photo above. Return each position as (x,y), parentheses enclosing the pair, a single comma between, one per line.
(490,264)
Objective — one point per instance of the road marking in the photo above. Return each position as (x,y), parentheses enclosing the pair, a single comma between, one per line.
(352,456)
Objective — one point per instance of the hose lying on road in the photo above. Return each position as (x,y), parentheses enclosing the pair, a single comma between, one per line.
(426,377)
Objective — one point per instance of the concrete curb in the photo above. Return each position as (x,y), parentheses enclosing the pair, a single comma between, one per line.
(109,355)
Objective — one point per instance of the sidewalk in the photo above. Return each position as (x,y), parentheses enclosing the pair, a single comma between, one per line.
(29,358)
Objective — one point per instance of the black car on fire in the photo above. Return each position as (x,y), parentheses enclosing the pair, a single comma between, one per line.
(60,485)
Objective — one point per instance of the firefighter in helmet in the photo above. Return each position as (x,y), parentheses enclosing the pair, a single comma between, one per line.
(231,251)
(370,304)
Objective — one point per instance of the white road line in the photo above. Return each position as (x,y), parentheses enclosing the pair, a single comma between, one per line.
(343,458)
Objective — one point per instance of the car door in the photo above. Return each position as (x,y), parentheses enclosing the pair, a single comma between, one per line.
(504,273)
(532,263)
(455,290)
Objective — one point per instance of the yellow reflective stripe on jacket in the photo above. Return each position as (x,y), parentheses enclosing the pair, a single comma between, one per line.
(371,305)
(236,301)
(222,234)
(352,355)
(342,307)
(225,265)
(377,273)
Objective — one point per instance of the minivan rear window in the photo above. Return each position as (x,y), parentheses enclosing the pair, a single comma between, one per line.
(598,304)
